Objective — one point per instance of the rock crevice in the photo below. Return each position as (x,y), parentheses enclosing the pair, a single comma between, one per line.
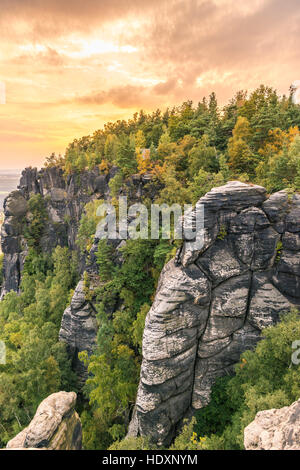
(212,303)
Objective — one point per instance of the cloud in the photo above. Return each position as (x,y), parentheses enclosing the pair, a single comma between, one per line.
(50,18)
(165,87)
(192,38)
(49,57)
(70,65)
(127,96)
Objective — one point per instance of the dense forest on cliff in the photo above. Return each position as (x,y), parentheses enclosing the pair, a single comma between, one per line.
(184,152)
(191,148)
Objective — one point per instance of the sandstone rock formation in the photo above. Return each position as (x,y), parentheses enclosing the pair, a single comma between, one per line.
(211,303)
(274,429)
(64,199)
(55,426)
(79,329)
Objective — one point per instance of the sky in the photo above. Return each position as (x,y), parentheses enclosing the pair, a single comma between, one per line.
(69,66)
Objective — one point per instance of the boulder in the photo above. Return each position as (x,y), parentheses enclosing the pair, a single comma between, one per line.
(55,426)
(276,429)
(15,205)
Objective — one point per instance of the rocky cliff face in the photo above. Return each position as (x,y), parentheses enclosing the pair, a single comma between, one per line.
(64,198)
(211,304)
(55,426)
(274,429)
(79,325)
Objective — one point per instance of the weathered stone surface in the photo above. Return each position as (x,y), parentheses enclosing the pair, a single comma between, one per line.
(265,242)
(290,263)
(293,217)
(212,303)
(169,348)
(228,308)
(234,196)
(79,329)
(221,363)
(267,303)
(276,429)
(220,262)
(15,205)
(289,285)
(276,207)
(287,276)
(55,426)
(291,241)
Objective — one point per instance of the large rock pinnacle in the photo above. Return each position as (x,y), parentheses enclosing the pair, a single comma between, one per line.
(212,304)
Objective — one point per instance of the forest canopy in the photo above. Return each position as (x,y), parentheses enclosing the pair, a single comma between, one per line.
(191,148)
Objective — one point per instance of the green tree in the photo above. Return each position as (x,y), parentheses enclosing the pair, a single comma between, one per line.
(202,156)
(125,158)
(241,157)
(36,219)
(37,364)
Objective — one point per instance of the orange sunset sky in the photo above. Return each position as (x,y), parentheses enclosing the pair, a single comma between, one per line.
(69,66)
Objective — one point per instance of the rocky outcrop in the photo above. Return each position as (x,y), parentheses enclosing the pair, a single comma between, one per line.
(212,302)
(276,429)
(64,198)
(79,324)
(55,426)
(79,328)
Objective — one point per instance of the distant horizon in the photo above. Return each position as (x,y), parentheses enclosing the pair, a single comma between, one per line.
(9,180)
(12,170)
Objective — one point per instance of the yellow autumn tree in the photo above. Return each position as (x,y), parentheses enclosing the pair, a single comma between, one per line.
(143,155)
(104,166)
(277,140)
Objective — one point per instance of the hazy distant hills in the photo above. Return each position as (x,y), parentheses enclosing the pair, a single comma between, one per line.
(9,180)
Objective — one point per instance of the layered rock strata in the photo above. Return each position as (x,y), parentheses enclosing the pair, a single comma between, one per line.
(212,302)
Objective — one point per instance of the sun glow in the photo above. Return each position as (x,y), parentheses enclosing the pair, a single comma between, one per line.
(81,48)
